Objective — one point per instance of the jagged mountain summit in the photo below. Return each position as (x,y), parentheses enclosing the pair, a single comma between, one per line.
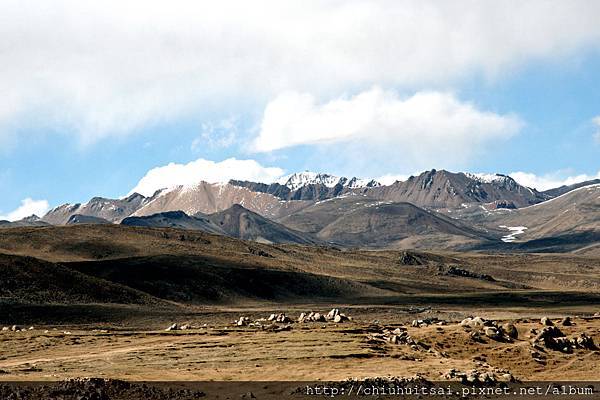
(435,208)
(310,186)
(208,198)
(431,189)
(302,179)
(443,189)
(112,210)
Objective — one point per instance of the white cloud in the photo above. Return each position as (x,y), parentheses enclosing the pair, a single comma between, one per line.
(425,129)
(27,208)
(550,180)
(216,135)
(596,135)
(109,68)
(204,170)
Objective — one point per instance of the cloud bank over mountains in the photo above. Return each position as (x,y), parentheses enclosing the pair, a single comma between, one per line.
(204,170)
(27,208)
(550,180)
(102,69)
(423,127)
(357,83)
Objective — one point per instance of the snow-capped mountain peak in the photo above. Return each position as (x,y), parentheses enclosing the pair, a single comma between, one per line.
(301,179)
(488,178)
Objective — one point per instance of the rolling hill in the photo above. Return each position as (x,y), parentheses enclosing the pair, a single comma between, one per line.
(241,223)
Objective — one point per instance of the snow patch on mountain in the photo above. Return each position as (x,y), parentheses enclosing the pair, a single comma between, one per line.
(514,231)
(487,178)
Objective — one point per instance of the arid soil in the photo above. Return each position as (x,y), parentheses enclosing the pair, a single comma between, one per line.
(214,347)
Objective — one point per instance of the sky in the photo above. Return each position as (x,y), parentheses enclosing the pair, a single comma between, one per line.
(107,98)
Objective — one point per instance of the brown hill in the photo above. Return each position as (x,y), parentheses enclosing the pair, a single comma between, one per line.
(192,267)
(363,222)
(31,280)
(175,219)
(241,223)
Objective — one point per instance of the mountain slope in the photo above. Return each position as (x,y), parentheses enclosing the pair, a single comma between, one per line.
(443,189)
(209,198)
(175,219)
(113,210)
(30,280)
(574,211)
(360,221)
(559,191)
(241,223)
(566,223)
(77,219)
(32,220)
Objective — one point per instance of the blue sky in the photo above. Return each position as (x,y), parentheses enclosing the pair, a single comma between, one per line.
(137,95)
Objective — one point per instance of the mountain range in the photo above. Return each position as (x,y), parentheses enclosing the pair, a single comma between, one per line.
(436,209)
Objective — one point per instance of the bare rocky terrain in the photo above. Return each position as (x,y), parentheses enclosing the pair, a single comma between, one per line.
(434,210)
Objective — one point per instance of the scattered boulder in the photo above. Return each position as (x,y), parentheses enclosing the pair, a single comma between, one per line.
(566,321)
(510,330)
(397,336)
(334,316)
(474,377)
(419,323)
(173,327)
(476,323)
(585,342)
(493,332)
(546,321)
(5,328)
(552,338)
(480,327)
(410,258)
(476,336)
(281,317)
(243,321)
(311,317)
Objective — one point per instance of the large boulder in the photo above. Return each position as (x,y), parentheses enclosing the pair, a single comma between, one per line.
(510,330)
(332,314)
(493,332)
